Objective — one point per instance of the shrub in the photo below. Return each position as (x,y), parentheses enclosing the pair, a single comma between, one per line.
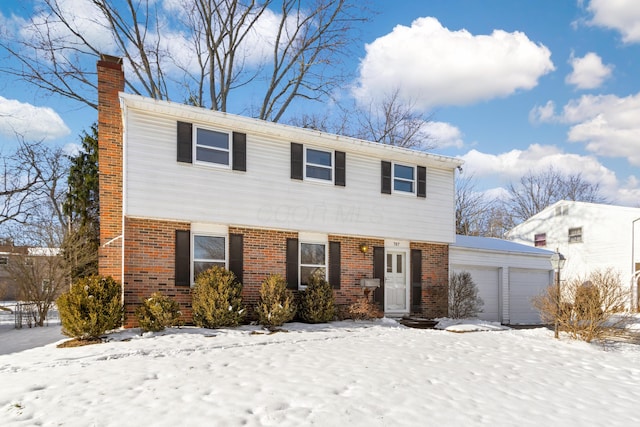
(91,307)
(157,312)
(217,299)
(364,309)
(317,304)
(463,296)
(276,304)
(586,309)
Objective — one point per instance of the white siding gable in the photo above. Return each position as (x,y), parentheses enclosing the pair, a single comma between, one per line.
(157,186)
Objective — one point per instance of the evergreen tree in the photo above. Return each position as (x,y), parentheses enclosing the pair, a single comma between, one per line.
(82,207)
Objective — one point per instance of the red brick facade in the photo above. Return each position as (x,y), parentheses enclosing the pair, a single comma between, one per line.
(149,253)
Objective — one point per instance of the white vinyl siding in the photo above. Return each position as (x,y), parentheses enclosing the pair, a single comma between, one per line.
(265,196)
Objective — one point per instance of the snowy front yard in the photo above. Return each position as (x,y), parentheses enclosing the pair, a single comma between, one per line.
(341,374)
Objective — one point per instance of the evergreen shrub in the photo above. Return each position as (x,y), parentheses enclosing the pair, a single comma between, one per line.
(91,307)
(276,304)
(157,312)
(317,303)
(217,299)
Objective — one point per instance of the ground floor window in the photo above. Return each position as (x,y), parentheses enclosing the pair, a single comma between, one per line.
(207,252)
(313,260)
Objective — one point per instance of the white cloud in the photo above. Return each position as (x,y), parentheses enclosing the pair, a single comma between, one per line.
(432,65)
(444,134)
(543,114)
(588,72)
(31,122)
(607,124)
(510,166)
(620,15)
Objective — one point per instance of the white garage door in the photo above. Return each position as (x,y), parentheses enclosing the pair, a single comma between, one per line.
(524,285)
(487,281)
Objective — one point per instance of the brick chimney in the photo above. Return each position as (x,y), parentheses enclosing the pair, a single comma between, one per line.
(110,83)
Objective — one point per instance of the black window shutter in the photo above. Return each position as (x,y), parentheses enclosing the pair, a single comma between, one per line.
(378,273)
(340,168)
(239,151)
(297,155)
(183,258)
(236,258)
(292,263)
(422,181)
(334,264)
(185,140)
(386,177)
(416,280)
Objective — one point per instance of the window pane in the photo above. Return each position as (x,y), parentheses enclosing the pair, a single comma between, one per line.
(208,247)
(399,266)
(400,185)
(319,157)
(389,263)
(318,173)
(306,272)
(405,172)
(212,156)
(213,139)
(312,254)
(200,266)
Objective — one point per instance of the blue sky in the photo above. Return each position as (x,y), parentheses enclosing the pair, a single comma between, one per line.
(511,86)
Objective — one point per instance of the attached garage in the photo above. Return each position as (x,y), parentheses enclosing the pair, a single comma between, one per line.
(508,275)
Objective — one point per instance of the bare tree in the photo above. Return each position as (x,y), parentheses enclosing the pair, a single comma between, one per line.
(536,191)
(39,270)
(472,208)
(463,296)
(393,121)
(58,54)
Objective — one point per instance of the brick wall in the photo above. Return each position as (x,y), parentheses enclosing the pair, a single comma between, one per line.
(435,279)
(354,265)
(110,82)
(150,265)
(264,253)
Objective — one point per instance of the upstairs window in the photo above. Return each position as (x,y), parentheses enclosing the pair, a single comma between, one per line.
(540,240)
(318,164)
(4,260)
(562,210)
(212,147)
(208,251)
(403,178)
(575,235)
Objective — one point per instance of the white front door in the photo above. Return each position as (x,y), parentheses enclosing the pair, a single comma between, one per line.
(395,282)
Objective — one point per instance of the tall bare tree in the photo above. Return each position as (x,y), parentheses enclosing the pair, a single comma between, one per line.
(472,208)
(199,51)
(536,191)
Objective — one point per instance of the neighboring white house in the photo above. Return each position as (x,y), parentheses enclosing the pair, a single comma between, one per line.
(591,236)
(508,275)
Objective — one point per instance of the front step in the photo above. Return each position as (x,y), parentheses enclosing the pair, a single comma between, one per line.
(418,322)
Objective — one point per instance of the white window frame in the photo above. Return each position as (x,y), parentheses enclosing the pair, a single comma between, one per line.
(414,182)
(332,168)
(536,240)
(312,239)
(229,150)
(575,237)
(195,234)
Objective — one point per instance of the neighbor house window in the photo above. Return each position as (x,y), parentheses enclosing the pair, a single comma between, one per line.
(208,251)
(313,260)
(4,260)
(562,210)
(318,164)
(404,179)
(540,239)
(575,235)
(212,147)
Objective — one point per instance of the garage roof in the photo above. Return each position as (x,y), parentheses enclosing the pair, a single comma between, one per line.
(493,244)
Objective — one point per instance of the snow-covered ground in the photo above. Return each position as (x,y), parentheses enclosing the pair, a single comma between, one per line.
(339,374)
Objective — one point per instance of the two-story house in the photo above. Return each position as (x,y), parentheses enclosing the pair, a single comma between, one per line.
(591,236)
(185,188)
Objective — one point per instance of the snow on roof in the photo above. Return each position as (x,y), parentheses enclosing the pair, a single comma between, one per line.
(493,244)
